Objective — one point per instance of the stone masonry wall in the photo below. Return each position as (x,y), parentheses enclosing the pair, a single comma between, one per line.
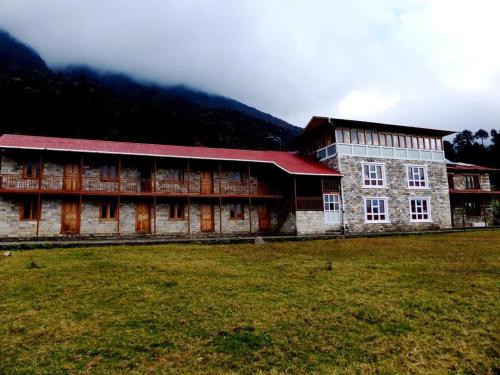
(313,222)
(397,192)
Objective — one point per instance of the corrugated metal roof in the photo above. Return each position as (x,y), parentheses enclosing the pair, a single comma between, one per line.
(289,162)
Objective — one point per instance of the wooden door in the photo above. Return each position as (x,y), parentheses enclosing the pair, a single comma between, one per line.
(70,218)
(264,218)
(142,218)
(206,182)
(71,177)
(207,217)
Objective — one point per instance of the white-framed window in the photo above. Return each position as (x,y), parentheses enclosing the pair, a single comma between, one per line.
(373,175)
(420,209)
(376,210)
(331,207)
(417,176)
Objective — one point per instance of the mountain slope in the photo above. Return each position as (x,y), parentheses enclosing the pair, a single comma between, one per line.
(81,102)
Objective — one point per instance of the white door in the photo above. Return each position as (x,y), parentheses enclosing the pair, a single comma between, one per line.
(331,207)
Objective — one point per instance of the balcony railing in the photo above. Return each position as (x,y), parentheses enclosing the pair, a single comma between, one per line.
(13,183)
(309,203)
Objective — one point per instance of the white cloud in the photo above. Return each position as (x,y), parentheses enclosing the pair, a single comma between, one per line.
(404,61)
(360,104)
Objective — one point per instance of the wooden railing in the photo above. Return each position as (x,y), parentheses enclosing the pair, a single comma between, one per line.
(12,183)
(309,204)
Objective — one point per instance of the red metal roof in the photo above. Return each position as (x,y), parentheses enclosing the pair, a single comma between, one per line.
(467,167)
(287,161)
(474,192)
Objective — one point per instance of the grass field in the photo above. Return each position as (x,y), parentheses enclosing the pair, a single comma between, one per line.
(418,304)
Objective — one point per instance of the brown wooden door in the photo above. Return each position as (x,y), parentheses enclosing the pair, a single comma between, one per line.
(206,182)
(207,217)
(71,177)
(70,218)
(142,218)
(264,218)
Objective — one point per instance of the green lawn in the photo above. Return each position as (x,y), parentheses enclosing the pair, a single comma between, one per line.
(422,304)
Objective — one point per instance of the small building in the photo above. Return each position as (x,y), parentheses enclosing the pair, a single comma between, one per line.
(471,195)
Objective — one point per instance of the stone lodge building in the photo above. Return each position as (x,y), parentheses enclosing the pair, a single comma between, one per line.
(347,175)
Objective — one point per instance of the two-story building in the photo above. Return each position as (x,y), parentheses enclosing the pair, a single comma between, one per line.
(59,187)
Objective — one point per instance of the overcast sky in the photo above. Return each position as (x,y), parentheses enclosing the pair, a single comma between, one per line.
(429,63)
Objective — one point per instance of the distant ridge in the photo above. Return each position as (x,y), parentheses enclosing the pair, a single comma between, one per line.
(78,101)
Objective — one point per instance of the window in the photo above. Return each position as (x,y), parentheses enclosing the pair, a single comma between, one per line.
(362,137)
(427,143)
(417,176)
(375,138)
(369,138)
(347,136)
(472,182)
(373,175)
(420,209)
(395,140)
(176,211)
(235,176)
(472,208)
(236,211)
(321,154)
(451,182)
(439,145)
(376,210)
(414,142)
(354,136)
(31,169)
(338,135)
(331,204)
(382,140)
(108,172)
(388,138)
(28,209)
(408,141)
(401,141)
(176,175)
(433,144)
(108,210)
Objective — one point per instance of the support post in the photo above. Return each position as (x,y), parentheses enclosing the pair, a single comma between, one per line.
(463,212)
(154,196)
(220,199)
(189,196)
(118,206)
(39,198)
(250,198)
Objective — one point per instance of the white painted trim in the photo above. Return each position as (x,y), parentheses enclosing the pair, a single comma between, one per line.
(384,176)
(169,156)
(426,176)
(387,218)
(429,210)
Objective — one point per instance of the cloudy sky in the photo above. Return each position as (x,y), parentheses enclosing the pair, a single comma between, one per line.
(431,63)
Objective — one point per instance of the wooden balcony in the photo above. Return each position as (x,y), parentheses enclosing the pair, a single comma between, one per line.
(131,186)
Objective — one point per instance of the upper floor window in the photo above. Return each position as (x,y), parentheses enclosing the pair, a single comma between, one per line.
(472,182)
(417,176)
(109,172)
(176,211)
(373,175)
(28,209)
(376,210)
(235,176)
(236,211)
(176,175)
(32,168)
(108,210)
(376,138)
